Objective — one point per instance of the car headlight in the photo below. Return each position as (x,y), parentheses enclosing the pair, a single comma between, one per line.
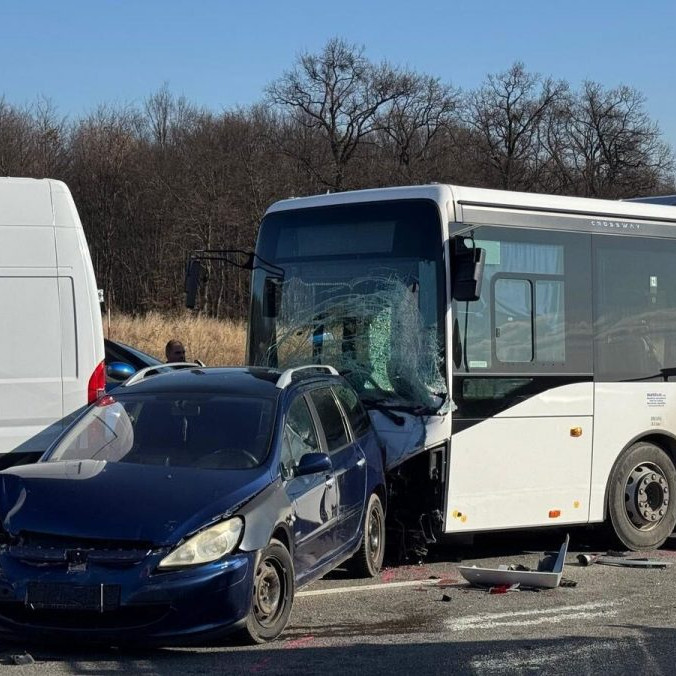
(208,545)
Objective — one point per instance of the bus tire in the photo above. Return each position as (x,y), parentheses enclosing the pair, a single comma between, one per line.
(642,497)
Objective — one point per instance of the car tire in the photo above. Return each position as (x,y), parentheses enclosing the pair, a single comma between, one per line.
(642,497)
(368,559)
(272,594)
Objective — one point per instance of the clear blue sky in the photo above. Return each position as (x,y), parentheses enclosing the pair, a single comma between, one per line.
(80,53)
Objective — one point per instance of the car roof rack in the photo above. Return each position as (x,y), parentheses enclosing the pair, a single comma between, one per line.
(158,368)
(285,379)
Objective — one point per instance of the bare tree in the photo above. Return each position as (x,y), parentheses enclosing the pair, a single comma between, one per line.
(506,114)
(339,94)
(414,119)
(15,140)
(605,144)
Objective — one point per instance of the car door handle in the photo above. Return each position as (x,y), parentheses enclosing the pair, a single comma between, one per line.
(329,482)
(361,462)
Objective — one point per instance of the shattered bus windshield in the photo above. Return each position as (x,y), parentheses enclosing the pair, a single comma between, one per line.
(362,290)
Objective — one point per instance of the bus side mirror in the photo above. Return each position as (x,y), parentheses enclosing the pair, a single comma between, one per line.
(193,275)
(467,271)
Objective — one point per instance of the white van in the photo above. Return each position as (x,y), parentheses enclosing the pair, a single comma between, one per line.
(51,341)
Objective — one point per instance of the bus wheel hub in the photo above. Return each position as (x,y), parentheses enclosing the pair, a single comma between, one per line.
(646,495)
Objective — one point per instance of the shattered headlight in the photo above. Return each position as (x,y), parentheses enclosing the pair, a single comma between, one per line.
(208,545)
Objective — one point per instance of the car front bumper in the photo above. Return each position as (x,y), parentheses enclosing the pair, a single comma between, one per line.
(124,604)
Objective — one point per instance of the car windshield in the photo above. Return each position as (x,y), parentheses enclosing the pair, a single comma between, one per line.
(200,430)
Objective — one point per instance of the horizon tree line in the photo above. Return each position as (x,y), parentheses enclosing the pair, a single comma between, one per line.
(157,180)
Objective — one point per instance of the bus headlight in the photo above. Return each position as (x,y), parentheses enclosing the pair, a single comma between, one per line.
(208,545)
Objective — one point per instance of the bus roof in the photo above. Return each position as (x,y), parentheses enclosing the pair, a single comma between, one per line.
(473,205)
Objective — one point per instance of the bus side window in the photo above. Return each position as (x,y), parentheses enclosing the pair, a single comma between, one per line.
(513,303)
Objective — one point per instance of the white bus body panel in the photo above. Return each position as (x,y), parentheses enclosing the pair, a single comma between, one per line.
(515,468)
(52,338)
(625,412)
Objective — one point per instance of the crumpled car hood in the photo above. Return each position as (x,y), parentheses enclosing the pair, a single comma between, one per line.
(120,501)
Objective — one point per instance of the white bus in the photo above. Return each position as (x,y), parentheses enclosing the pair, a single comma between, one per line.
(516,351)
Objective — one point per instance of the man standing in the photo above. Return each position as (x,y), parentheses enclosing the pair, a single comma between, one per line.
(174,351)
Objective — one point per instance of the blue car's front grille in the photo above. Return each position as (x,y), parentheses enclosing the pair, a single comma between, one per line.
(45,548)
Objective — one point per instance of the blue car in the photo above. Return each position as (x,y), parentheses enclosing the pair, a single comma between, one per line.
(191,503)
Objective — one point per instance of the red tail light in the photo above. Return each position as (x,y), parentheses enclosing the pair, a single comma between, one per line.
(97,383)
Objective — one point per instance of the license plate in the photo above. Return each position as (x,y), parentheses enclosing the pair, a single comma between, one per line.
(50,596)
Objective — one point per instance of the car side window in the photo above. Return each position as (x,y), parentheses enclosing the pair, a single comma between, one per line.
(299,437)
(330,418)
(354,410)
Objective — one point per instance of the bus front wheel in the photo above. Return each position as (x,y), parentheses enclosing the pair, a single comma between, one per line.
(642,497)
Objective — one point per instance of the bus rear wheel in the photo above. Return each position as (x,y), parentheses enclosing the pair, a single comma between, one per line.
(642,497)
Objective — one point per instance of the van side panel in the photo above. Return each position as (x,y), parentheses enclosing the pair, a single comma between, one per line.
(30,358)
(25,202)
(53,337)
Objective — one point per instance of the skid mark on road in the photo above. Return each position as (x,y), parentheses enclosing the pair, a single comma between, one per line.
(523,618)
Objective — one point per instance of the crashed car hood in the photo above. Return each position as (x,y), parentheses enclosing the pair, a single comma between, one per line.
(121,501)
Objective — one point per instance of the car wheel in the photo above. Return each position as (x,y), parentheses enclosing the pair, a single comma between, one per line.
(273,590)
(369,557)
(641,497)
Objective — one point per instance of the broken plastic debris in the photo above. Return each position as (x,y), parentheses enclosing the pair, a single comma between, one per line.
(566,582)
(632,563)
(495,577)
(504,588)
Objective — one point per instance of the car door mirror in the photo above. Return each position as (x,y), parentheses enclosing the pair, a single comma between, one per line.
(313,463)
(119,370)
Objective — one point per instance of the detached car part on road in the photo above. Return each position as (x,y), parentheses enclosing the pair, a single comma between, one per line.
(191,503)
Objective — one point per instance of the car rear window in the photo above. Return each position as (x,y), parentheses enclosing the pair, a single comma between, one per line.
(203,431)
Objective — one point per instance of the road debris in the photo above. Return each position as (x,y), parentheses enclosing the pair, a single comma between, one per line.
(547,575)
(633,563)
(22,659)
(504,588)
(587,559)
(622,559)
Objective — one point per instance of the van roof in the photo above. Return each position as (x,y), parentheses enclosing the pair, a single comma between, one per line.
(37,202)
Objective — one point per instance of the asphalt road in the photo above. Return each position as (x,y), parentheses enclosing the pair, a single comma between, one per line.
(426,619)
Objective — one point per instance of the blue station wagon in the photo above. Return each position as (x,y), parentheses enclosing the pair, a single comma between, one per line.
(190,503)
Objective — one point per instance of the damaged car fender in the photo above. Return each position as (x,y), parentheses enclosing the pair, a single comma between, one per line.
(268,512)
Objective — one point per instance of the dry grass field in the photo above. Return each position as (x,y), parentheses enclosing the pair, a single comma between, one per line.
(215,342)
